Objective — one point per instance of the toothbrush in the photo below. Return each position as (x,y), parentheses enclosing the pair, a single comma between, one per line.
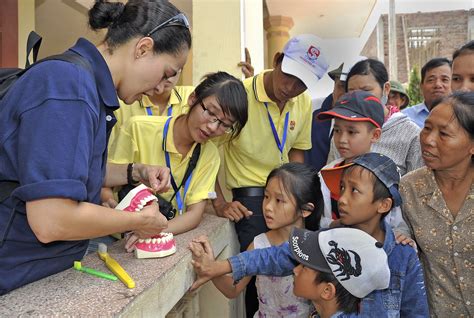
(114,266)
(78,266)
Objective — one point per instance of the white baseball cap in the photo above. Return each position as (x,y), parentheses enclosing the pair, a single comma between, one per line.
(304,58)
(356,259)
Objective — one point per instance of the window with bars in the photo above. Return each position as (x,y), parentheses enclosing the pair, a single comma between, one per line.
(419,37)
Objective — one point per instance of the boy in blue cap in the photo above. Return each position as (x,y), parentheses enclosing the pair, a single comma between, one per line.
(368,187)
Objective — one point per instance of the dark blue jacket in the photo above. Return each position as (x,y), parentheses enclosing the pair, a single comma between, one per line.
(317,156)
(54,126)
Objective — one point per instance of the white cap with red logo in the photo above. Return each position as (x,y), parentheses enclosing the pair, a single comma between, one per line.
(305,59)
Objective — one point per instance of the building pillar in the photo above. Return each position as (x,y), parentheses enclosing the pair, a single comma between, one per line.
(278,33)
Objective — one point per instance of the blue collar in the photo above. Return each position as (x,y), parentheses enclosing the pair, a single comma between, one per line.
(389,243)
(103,78)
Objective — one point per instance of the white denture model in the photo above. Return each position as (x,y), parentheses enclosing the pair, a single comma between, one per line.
(160,245)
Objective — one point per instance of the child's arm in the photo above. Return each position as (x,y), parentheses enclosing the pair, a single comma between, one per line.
(272,261)
(188,220)
(203,257)
(400,227)
(414,301)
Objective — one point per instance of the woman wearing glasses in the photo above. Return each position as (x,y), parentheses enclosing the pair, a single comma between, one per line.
(218,106)
(53,140)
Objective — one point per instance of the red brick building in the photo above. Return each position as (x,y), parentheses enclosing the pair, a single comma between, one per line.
(420,37)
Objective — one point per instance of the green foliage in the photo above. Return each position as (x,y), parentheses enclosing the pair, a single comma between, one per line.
(414,91)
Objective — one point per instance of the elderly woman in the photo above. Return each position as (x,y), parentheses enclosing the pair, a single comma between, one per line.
(439,206)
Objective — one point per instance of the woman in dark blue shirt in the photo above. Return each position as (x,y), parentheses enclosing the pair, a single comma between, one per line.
(54,126)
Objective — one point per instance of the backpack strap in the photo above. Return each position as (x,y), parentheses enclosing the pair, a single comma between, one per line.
(33,44)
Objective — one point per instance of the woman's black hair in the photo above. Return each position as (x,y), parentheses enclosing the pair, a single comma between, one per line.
(467,48)
(347,302)
(301,181)
(137,18)
(463,109)
(230,94)
(369,66)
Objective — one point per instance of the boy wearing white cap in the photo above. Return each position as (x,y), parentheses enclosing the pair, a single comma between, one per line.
(278,131)
(337,267)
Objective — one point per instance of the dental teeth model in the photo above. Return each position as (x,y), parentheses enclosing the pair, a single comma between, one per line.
(160,245)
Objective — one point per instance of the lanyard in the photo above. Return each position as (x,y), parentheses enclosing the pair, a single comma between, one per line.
(179,201)
(280,144)
(170,110)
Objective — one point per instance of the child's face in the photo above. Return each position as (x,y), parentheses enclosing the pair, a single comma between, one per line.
(357,193)
(305,285)
(279,209)
(353,138)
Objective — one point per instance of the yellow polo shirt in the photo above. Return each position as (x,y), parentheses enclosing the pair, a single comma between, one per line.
(178,103)
(141,140)
(250,157)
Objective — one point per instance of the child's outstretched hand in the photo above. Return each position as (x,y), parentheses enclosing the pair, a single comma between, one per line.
(203,260)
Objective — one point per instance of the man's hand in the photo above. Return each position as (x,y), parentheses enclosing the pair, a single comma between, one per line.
(203,260)
(246,65)
(233,211)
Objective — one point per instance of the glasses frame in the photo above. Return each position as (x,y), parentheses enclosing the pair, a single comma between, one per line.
(213,119)
(178,20)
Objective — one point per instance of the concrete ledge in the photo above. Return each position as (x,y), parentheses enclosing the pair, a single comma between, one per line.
(160,283)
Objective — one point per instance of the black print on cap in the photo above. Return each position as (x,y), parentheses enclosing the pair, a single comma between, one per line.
(340,257)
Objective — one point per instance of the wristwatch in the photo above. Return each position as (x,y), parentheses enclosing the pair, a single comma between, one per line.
(130,180)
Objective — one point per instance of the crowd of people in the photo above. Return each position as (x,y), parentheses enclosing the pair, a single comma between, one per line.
(364,207)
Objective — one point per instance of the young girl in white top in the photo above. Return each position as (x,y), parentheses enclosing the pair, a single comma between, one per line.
(292,199)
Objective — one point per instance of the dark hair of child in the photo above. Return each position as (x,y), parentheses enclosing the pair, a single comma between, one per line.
(301,182)
(380,190)
(347,302)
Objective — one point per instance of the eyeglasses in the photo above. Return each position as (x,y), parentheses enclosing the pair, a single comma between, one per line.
(212,118)
(179,20)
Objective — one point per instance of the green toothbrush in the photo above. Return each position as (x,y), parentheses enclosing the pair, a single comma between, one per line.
(78,266)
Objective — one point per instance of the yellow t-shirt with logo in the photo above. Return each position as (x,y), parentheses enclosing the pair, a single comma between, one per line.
(254,153)
(178,103)
(141,140)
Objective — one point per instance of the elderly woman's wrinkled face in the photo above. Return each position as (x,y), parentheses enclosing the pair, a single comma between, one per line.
(445,144)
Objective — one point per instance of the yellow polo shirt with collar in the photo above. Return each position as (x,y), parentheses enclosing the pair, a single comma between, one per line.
(178,103)
(141,140)
(250,157)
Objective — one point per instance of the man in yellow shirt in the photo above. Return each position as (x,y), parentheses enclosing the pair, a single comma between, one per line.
(278,131)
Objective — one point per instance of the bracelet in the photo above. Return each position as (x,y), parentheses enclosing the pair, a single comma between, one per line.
(130,180)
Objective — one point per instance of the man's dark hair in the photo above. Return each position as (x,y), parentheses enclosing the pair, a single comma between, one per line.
(433,63)
(467,48)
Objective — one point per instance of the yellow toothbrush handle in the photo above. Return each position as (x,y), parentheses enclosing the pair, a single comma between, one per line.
(119,272)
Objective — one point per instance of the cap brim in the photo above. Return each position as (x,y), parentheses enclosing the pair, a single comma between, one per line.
(304,246)
(345,114)
(294,68)
(332,178)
